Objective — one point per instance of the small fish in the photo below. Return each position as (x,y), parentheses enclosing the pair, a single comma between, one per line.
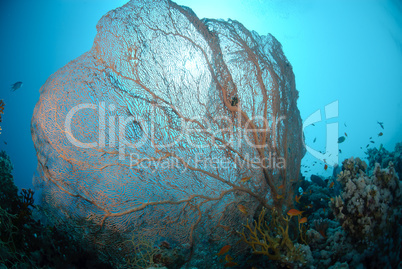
(303,220)
(379,148)
(381,124)
(314,140)
(325,167)
(345,124)
(242,209)
(223,250)
(313,124)
(281,186)
(340,151)
(16,86)
(279,197)
(361,148)
(380,134)
(372,141)
(231,264)
(367,145)
(331,185)
(346,134)
(297,198)
(309,206)
(341,139)
(294,212)
(323,209)
(228,258)
(322,233)
(245,179)
(371,137)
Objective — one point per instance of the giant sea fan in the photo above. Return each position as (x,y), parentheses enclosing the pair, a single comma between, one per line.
(152,130)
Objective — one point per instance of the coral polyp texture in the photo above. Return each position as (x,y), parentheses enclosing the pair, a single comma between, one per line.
(153,130)
(369,206)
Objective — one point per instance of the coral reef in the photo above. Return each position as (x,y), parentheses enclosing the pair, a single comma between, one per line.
(360,225)
(368,206)
(354,222)
(8,191)
(318,180)
(383,157)
(355,226)
(25,242)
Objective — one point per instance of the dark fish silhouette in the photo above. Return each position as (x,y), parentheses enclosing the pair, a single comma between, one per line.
(381,124)
(16,86)
(234,101)
(341,139)
(315,140)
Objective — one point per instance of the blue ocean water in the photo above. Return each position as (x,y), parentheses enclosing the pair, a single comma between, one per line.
(346,57)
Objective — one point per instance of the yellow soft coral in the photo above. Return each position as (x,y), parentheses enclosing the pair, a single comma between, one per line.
(273,240)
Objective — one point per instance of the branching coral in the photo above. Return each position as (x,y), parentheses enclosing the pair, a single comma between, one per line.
(273,241)
(144,253)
